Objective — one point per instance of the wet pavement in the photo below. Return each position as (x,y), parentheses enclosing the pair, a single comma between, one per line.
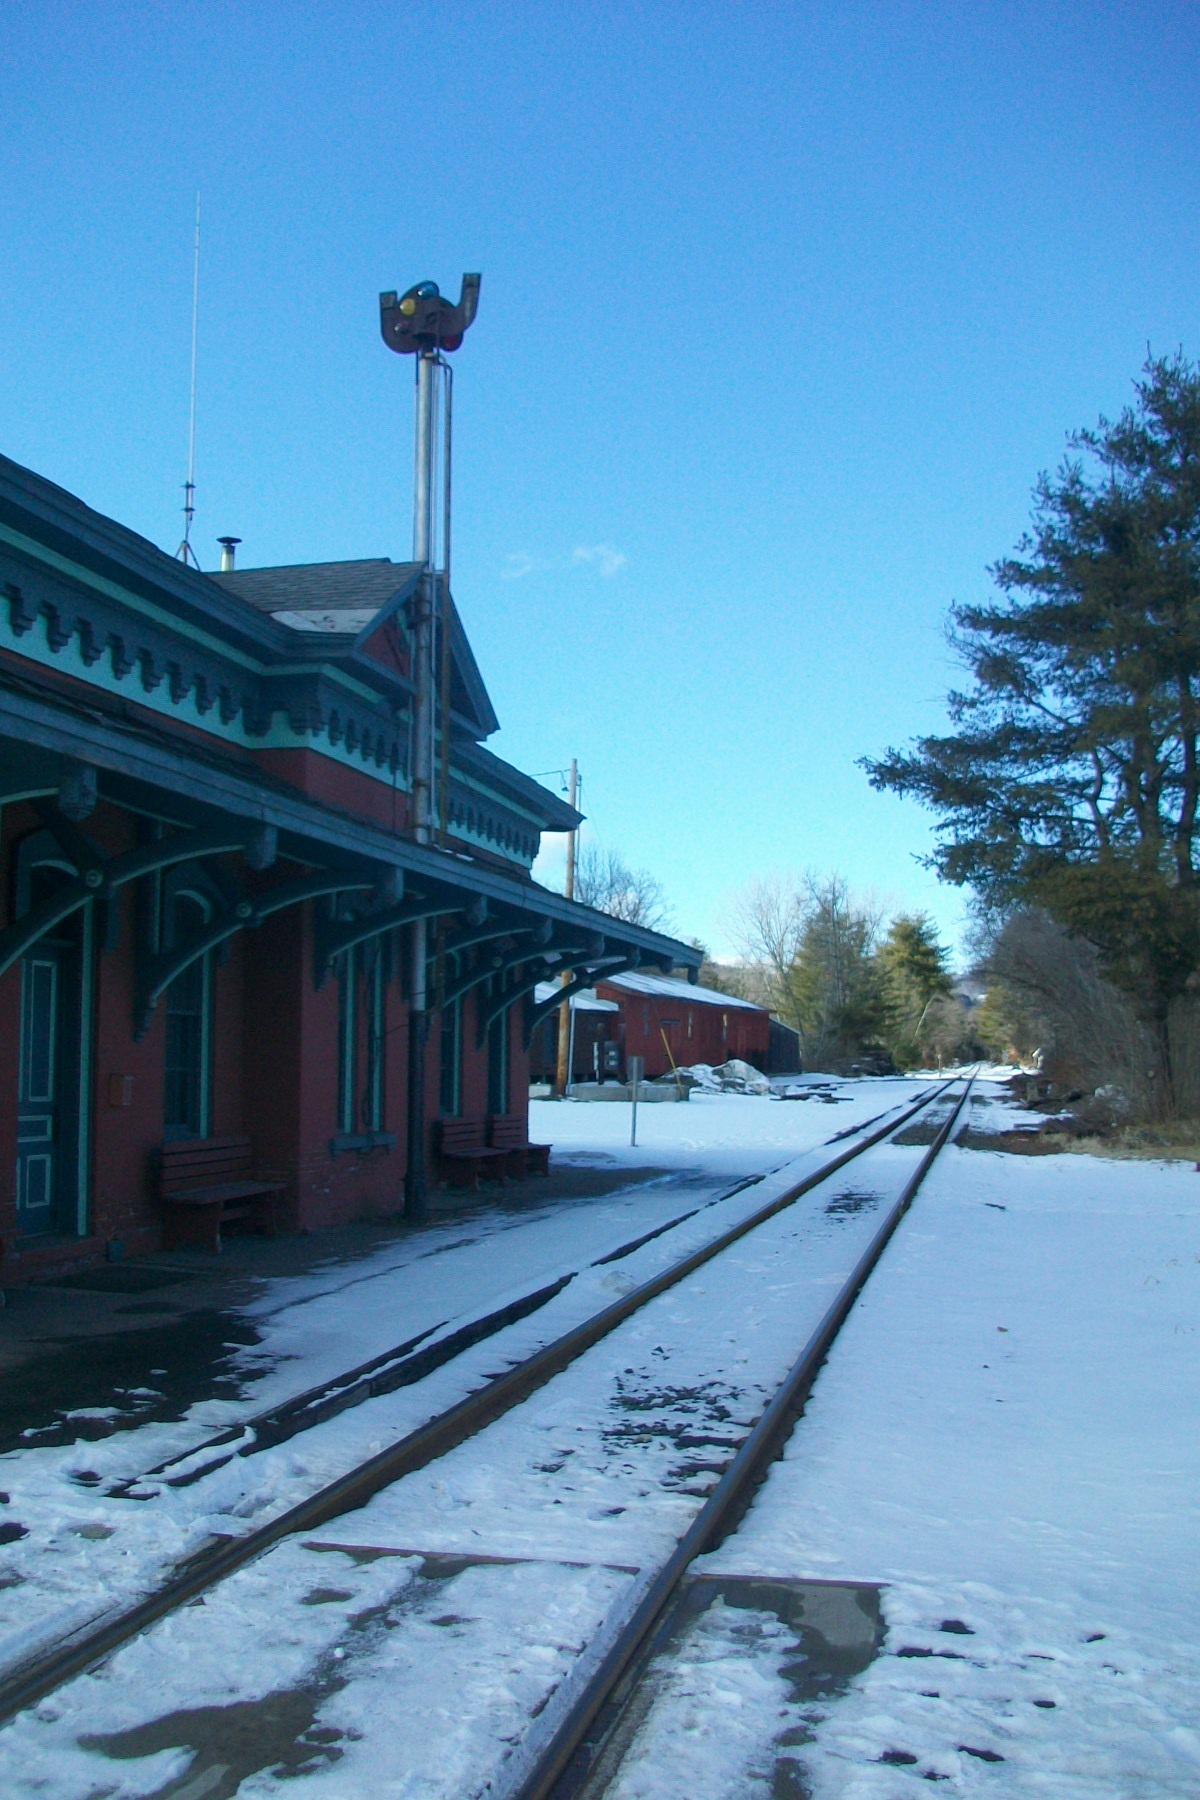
(95,1351)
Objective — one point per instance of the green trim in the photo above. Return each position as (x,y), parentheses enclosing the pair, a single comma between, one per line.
(173,622)
(460,776)
(332,671)
(35,647)
(87,1016)
(100,583)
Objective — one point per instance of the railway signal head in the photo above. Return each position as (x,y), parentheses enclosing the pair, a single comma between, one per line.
(423,320)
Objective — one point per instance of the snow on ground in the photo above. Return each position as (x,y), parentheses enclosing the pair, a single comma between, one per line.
(721,1133)
(1006,1437)
(378,1666)
(85,1552)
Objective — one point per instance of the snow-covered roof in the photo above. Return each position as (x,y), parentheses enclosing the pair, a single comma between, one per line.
(669,987)
(584,1001)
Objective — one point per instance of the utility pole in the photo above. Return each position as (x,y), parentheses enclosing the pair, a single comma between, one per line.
(423,323)
(564,1072)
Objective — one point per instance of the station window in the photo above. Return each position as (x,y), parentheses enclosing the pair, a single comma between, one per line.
(376,983)
(497,1064)
(347,1038)
(362,1001)
(450,1064)
(187,1104)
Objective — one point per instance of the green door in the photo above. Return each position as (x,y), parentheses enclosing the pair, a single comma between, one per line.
(46,1093)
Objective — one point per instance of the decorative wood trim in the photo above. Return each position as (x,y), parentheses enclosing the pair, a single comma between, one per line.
(162,969)
(333,937)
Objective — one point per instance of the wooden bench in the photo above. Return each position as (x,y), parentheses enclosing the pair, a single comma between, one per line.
(464,1154)
(208,1182)
(511,1134)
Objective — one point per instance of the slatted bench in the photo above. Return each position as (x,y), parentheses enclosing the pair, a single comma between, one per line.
(205,1183)
(464,1153)
(511,1135)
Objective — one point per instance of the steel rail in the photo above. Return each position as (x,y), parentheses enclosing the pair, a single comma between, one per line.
(79,1651)
(558,1759)
(400,1366)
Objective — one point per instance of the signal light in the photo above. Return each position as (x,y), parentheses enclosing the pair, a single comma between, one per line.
(423,320)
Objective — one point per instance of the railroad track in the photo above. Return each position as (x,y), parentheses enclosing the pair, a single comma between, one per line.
(406,1363)
(560,1757)
(41,1674)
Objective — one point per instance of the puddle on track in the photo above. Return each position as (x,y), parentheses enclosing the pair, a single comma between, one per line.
(277,1735)
(832,1632)
(233,1742)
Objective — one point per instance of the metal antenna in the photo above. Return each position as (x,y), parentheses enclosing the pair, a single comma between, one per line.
(185,552)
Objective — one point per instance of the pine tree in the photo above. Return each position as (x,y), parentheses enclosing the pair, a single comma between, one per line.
(1072,779)
(833,981)
(914,969)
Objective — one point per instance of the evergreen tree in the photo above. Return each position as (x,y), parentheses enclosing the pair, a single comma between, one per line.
(914,970)
(833,981)
(1072,779)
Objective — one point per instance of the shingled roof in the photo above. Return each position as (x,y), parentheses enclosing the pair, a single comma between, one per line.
(343,600)
(335,596)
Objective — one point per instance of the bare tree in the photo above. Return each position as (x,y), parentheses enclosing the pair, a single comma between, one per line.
(948,1034)
(741,980)
(604,879)
(1053,991)
(811,944)
(767,925)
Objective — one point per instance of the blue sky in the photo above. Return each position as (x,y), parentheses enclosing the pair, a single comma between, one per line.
(783,309)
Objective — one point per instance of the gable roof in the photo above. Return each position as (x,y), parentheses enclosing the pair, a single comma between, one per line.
(337,605)
(342,597)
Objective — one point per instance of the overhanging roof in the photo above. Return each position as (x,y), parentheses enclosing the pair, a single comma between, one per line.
(151,767)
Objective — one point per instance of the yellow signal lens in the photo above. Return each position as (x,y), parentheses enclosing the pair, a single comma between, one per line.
(408,308)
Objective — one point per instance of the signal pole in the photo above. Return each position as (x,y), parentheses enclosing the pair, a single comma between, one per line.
(423,323)
(564,1073)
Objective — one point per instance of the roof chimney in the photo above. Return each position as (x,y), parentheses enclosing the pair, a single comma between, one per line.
(228,549)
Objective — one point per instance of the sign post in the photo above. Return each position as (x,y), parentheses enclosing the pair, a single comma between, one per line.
(634,1066)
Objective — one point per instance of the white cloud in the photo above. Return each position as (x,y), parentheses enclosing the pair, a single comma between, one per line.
(518,564)
(606,558)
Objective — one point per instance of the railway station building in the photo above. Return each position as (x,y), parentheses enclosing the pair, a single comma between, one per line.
(208,878)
